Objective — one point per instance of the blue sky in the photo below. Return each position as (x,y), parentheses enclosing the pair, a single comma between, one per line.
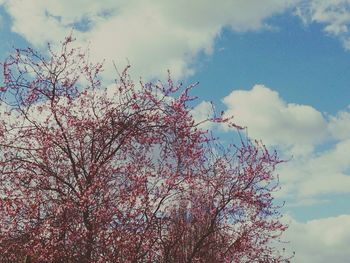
(280,67)
(301,62)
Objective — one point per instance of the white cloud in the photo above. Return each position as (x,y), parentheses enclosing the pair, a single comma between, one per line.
(317,174)
(296,130)
(153,35)
(334,14)
(201,113)
(339,125)
(320,241)
(270,118)
(324,172)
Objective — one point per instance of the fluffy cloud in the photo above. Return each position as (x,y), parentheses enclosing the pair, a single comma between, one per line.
(334,14)
(318,174)
(201,113)
(296,130)
(153,35)
(339,125)
(320,241)
(270,118)
(157,35)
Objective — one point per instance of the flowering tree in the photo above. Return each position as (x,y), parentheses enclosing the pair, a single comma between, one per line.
(123,174)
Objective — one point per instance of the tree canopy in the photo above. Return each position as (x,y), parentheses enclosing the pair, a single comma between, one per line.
(123,173)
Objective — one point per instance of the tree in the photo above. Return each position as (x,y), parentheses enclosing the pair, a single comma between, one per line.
(123,173)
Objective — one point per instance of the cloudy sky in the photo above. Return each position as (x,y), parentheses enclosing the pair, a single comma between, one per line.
(280,67)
